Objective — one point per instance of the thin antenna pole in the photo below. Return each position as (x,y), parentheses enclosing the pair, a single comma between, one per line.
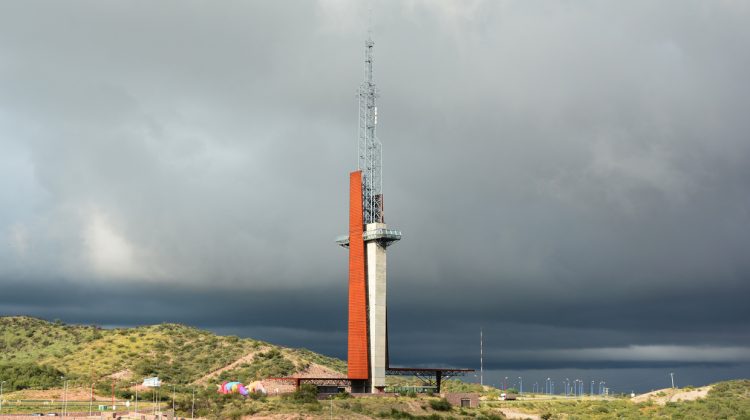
(481,357)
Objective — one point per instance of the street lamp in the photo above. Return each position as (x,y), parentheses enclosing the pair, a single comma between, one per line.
(91,400)
(65,393)
(62,406)
(1,396)
(521,382)
(135,385)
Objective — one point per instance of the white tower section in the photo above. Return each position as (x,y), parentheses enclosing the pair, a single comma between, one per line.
(376,308)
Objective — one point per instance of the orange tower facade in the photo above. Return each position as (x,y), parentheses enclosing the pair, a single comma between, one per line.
(358,351)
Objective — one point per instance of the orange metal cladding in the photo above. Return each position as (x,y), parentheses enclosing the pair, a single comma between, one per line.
(358,357)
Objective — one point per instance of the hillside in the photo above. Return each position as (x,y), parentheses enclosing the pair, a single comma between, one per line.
(34,352)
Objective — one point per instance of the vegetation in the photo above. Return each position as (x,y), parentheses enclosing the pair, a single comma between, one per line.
(36,354)
(726,400)
(268,364)
(178,354)
(29,375)
(455,385)
(440,405)
(306,394)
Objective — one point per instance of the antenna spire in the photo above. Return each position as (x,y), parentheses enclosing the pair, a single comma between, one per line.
(370,152)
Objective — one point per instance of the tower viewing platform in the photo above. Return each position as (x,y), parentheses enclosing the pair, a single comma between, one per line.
(383,236)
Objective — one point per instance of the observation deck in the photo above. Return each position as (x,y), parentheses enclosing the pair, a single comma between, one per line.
(383,236)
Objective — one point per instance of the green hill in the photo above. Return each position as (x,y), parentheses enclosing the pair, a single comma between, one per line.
(31,348)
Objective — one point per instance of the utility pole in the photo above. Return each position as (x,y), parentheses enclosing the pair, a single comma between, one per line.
(672,375)
(481,357)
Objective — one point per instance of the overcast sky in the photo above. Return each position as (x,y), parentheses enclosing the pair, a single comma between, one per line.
(573,177)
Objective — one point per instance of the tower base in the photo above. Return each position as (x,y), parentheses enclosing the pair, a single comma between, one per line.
(360,386)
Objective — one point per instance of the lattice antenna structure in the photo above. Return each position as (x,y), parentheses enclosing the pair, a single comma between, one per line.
(370,150)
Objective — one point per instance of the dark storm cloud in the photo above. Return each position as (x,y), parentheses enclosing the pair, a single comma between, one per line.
(569,177)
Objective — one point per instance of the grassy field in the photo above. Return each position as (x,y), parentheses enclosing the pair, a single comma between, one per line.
(725,400)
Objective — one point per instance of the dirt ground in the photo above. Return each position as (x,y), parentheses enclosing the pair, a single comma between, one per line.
(663,396)
(74,394)
(512,414)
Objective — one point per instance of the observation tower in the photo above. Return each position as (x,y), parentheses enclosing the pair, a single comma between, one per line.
(367,241)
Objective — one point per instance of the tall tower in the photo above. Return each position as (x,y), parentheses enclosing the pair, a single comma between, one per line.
(367,241)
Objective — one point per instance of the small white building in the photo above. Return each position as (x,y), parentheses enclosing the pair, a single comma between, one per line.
(153,382)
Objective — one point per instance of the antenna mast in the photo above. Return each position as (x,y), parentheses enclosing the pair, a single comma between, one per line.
(370,152)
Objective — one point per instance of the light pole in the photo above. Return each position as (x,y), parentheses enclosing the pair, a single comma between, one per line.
(671,374)
(91,400)
(136,397)
(1,396)
(65,393)
(520,391)
(505,384)
(62,405)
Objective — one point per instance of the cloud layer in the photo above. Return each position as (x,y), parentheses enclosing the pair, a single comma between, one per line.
(572,178)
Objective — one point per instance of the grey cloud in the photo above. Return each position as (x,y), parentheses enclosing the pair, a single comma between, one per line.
(565,175)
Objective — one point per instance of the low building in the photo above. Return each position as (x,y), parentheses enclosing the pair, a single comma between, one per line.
(462,399)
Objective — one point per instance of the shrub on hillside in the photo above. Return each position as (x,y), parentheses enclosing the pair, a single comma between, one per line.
(440,405)
(19,376)
(306,394)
